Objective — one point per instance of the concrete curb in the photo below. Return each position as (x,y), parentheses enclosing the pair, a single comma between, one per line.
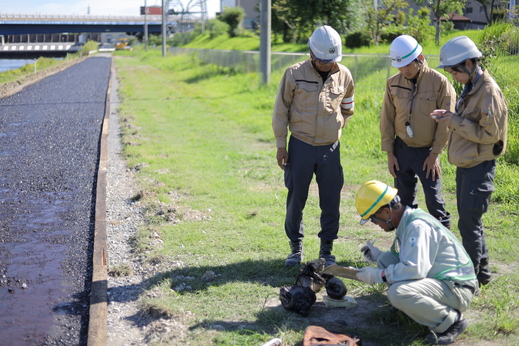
(97,332)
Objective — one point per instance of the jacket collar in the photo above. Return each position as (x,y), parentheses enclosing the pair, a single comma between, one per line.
(334,69)
(483,77)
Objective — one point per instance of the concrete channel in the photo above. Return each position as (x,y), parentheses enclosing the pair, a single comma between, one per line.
(53,257)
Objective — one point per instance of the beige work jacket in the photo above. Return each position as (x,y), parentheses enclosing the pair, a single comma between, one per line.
(432,91)
(313,111)
(479,130)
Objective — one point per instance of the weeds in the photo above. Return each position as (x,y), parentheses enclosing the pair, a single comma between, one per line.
(207,153)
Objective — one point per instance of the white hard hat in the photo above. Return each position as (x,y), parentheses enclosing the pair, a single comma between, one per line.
(404,49)
(325,43)
(457,50)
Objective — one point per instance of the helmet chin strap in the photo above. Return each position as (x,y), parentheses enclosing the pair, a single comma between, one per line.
(388,222)
(464,68)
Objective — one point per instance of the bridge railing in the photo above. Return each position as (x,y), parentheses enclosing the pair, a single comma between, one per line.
(45,17)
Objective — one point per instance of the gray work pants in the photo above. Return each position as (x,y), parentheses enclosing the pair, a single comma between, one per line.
(304,161)
(430,302)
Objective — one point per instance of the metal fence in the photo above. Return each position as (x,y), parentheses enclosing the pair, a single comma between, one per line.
(362,66)
(368,70)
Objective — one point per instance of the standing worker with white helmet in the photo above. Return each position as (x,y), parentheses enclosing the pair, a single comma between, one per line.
(430,275)
(478,133)
(413,141)
(314,102)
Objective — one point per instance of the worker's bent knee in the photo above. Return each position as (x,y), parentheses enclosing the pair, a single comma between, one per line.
(401,295)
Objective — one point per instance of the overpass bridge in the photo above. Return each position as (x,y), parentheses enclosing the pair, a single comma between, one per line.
(27,36)
(19,24)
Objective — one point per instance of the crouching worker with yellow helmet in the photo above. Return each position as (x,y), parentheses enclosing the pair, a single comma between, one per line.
(430,276)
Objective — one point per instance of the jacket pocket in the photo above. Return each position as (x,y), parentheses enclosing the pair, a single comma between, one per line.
(401,99)
(473,114)
(427,96)
(306,97)
(334,98)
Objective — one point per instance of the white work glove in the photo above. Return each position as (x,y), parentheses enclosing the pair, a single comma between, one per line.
(370,251)
(370,275)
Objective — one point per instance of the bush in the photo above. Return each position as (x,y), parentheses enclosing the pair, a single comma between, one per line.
(500,39)
(180,38)
(390,32)
(419,25)
(155,40)
(217,28)
(497,43)
(89,46)
(358,39)
(233,17)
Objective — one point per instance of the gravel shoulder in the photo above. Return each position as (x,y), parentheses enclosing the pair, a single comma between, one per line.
(127,324)
(124,217)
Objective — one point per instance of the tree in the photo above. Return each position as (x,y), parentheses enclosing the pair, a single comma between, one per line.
(419,25)
(484,4)
(342,15)
(377,19)
(296,19)
(232,16)
(284,20)
(442,8)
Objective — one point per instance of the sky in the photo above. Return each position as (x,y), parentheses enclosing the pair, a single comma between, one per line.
(97,7)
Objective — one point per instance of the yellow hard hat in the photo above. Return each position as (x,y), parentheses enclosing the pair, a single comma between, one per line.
(371,196)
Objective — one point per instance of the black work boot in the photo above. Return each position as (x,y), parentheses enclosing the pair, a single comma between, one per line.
(297,253)
(326,252)
(450,335)
(483,273)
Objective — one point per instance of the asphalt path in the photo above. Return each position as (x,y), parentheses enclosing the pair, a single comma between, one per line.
(49,153)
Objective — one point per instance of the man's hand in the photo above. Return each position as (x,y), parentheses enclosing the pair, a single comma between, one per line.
(432,166)
(370,251)
(392,163)
(442,115)
(370,275)
(282,157)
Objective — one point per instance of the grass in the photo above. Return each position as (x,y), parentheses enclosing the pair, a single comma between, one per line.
(202,140)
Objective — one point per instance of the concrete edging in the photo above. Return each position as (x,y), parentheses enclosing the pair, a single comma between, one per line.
(97,325)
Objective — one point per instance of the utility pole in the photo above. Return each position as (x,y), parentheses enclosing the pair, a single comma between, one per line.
(265,18)
(164,27)
(145,26)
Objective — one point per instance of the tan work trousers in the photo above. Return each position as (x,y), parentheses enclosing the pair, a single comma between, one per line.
(430,302)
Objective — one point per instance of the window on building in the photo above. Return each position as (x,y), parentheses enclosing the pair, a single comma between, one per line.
(468,9)
(481,9)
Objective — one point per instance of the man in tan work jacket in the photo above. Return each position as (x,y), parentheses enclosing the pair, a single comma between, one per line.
(314,102)
(413,141)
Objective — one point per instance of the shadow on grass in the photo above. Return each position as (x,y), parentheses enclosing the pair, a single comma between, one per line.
(373,320)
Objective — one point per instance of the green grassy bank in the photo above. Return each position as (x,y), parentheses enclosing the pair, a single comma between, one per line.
(201,141)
